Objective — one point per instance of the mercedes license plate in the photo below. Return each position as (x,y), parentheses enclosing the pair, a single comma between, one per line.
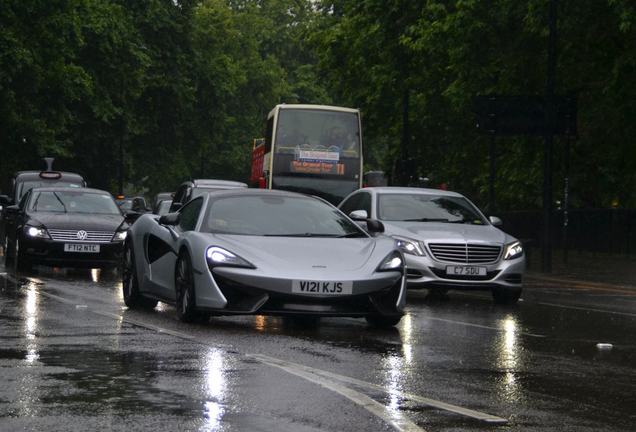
(81,248)
(465,271)
(322,287)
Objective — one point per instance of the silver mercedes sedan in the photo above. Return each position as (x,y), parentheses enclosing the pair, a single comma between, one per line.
(254,251)
(447,242)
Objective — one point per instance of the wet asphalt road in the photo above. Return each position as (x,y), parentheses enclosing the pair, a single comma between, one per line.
(73,358)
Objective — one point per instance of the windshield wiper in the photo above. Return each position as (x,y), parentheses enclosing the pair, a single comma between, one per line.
(35,204)
(351,235)
(308,234)
(467,221)
(426,220)
(61,202)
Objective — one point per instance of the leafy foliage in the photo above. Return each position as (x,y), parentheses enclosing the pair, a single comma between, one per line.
(152,92)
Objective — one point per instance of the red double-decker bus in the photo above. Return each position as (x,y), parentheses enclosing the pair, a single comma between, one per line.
(313,149)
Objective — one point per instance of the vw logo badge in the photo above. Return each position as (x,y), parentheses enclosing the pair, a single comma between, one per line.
(81,235)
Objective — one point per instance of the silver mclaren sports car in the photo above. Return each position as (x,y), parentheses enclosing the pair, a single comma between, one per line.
(254,251)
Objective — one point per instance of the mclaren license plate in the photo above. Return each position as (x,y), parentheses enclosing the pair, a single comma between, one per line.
(322,287)
(466,271)
(81,248)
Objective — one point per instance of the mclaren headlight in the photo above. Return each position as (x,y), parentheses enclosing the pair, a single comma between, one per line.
(36,232)
(393,262)
(218,257)
(120,236)
(513,250)
(409,246)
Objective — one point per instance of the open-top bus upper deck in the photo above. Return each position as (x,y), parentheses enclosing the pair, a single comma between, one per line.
(315,149)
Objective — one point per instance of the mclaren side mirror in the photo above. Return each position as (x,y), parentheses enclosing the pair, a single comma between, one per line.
(170,219)
(495,221)
(359,215)
(12,209)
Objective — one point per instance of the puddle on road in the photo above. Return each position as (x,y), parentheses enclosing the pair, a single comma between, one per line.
(81,381)
(13,354)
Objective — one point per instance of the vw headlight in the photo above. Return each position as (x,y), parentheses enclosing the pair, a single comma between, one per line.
(220,257)
(36,232)
(393,262)
(513,250)
(409,246)
(120,236)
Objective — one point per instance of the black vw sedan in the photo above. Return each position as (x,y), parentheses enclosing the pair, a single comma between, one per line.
(74,227)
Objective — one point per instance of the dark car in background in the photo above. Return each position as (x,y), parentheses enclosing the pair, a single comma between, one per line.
(162,207)
(67,227)
(162,196)
(132,207)
(162,203)
(23,181)
(194,188)
(132,204)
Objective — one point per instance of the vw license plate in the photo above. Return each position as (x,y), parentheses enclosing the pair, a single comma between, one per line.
(81,248)
(466,271)
(322,287)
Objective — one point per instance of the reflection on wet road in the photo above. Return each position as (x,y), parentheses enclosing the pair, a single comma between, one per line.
(73,357)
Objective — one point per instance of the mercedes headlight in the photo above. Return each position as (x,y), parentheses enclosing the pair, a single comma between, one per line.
(36,232)
(220,257)
(393,262)
(513,250)
(409,246)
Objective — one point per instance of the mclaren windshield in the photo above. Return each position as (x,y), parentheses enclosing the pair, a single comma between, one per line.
(277,215)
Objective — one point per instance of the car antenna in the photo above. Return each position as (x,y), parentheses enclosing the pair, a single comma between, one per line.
(49,163)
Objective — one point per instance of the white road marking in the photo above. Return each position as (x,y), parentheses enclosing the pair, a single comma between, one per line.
(498,329)
(566,307)
(404,395)
(584,284)
(323,378)
(586,309)
(58,298)
(394,418)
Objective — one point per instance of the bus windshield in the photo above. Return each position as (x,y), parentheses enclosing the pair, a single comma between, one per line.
(317,151)
(318,131)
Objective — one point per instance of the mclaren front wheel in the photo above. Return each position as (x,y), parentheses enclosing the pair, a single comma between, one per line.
(185,293)
(130,283)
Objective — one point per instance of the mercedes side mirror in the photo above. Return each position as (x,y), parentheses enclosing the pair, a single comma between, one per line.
(359,215)
(170,219)
(495,221)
